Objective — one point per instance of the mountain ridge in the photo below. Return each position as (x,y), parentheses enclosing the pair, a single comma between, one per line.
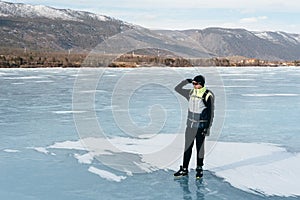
(49,29)
(32,11)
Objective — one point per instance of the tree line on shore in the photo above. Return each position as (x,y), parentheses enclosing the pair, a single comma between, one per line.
(34,59)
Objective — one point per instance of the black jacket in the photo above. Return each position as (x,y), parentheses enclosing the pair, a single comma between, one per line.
(206,115)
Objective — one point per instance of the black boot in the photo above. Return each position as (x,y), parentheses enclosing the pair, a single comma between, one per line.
(182,172)
(199,173)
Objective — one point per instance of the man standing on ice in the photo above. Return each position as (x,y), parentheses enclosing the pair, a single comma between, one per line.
(199,121)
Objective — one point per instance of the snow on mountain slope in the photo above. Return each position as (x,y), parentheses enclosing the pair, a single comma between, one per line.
(39,11)
(279,37)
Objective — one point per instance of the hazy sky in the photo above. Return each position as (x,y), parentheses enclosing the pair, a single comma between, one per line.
(255,15)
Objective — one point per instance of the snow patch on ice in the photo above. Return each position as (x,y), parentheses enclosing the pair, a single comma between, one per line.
(23,77)
(242,79)
(237,74)
(68,112)
(85,158)
(2,73)
(270,95)
(11,151)
(40,149)
(106,174)
(253,167)
(74,145)
(240,86)
(17,83)
(258,168)
(44,81)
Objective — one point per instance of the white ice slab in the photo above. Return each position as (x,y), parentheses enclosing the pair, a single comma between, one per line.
(106,174)
(257,168)
(11,150)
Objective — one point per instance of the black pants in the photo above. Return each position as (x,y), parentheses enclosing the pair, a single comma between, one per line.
(190,135)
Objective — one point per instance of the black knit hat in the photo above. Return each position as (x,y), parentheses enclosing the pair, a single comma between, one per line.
(199,79)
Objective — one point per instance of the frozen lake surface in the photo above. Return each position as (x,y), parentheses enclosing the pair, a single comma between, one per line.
(118,134)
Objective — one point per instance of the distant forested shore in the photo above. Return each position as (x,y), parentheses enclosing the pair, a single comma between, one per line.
(20,58)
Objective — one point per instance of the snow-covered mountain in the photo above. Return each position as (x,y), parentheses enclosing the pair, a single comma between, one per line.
(39,11)
(279,37)
(46,28)
(51,29)
(42,27)
(263,45)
